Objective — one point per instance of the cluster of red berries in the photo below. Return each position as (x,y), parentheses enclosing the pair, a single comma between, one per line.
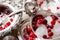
(30,34)
(7,24)
(5,10)
(39,19)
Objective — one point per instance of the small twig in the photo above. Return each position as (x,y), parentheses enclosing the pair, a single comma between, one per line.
(14,13)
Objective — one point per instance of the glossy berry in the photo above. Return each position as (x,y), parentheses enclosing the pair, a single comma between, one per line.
(44,21)
(58,8)
(54,17)
(39,21)
(25,37)
(28,30)
(7,24)
(51,26)
(47,26)
(34,23)
(40,3)
(49,30)
(32,35)
(45,36)
(1,28)
(53,22)
(35,27)
(11,19)
(50,34)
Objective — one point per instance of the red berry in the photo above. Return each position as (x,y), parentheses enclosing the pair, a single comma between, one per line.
(34,23)
(50,34)
(41,2)
(7,24)
(58,8)
(47,26)
(1,28)
(51,27)
(53,22)
(32,35)
(11,19)
(30,38)
(35,27)
(44,21)
(45,36)
(49,30)
(54,17)
(25,37)
(28,30)
(39,21)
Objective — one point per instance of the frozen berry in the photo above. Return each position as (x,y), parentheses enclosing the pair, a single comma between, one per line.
(34,23)
(44,21)
(32,35)
(11,19)
(53,22)
(1,28)
(45,36)
(54,17)
(39,21)
(25,37)
(40,3)
(47,26)
(49,30)
(51,26)
(35,27)
(28,30)
(50,33)
(7,24)
(58,8)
